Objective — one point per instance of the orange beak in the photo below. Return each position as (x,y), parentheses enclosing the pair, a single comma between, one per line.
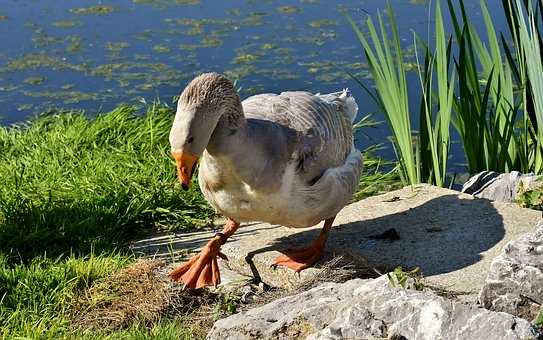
(186,163)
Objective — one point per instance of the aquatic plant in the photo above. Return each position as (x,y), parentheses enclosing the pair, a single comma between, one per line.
(496,85)
(99,9)
(422,157)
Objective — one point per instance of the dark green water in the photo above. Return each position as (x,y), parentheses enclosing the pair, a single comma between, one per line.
(95,55)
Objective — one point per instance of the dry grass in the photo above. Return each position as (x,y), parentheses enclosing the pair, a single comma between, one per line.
(134,293)
(143,294)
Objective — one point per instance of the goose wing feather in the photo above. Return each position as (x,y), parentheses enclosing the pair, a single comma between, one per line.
(322,122)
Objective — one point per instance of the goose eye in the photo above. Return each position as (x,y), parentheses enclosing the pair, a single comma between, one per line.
(190,140)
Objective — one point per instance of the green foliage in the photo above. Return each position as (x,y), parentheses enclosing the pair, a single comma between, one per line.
(166,330)
(405,279)
(36,298)
(526,62)
(228,305)
(423,157)
(496,107)
(531,196)
(531,199)
(388,72)
(539,318)
(70,182)
(486,112)
(378,175)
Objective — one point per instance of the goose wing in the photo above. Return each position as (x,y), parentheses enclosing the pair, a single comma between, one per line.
(322,124)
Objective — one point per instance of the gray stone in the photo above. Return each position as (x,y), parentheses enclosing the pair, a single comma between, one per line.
(499,187)
(369,309)
(452,237)
(515,280)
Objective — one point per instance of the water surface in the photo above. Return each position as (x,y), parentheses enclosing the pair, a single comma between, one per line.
(95,55)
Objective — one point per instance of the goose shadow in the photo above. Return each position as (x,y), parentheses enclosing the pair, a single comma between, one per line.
(163,245)
(442,235)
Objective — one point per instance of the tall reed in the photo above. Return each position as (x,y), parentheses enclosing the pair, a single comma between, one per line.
(496,105)
(423,156)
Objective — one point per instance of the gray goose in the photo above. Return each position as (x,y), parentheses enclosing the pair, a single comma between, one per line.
(285,159)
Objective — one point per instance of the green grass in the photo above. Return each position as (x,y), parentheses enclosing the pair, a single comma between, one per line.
(74,190)
(75,184)
(72,187)
(36,297)
(166,330)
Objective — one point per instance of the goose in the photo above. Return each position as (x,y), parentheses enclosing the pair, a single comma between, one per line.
(286,159)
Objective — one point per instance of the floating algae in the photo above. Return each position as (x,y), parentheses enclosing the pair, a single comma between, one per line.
(42,60)
(322,23)
(146,35)
(8,88)
(3,17)
(100,10)
(245,58)
(268,46)
(24,107)
(161,49)
(188,47)
(141,57)
(211,41)
(288,9)
(240,72)
(66,23)
(195,29)
(116,47)
(107,70)
(36,80)
(42,39)
(67,97)
(74,43)
(166,3)
(254,19)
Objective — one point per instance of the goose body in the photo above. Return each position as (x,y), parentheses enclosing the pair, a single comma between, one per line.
(292,163)
(286,159)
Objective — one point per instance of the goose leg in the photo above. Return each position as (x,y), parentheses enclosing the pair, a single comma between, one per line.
(299,259)
(202,269)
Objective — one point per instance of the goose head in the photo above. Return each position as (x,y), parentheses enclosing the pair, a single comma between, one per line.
(207,100)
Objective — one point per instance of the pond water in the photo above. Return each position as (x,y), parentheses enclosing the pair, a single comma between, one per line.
(95,55)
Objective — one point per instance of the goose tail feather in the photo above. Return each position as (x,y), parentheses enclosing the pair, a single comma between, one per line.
(351,107)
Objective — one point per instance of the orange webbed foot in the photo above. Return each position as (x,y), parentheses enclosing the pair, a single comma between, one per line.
(202,269)
(299,259)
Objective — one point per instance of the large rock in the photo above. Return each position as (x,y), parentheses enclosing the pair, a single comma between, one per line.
(452,237)
(499,187)
(369,309)
(515,280)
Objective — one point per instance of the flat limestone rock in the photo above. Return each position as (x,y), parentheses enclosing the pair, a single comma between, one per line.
(369,309)
(452,237)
